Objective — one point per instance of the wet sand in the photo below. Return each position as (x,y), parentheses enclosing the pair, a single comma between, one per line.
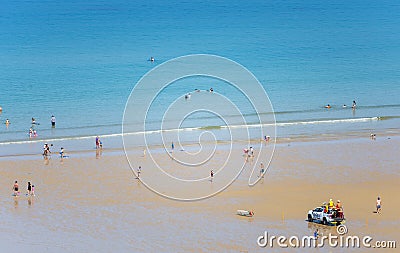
(94,203)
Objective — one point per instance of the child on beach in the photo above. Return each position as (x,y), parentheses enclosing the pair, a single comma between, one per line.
(33,190)
(62,153)
(316,234)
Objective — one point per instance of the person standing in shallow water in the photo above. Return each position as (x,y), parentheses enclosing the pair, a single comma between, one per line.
(97,142)
(53,121)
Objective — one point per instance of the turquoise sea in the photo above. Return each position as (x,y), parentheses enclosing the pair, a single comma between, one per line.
(79,60)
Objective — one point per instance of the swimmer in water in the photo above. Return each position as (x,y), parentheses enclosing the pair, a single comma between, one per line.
(328,106)
(354,104)
(344,106)
(7,122)
(152,59)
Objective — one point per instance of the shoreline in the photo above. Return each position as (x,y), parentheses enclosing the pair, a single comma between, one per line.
(31,149)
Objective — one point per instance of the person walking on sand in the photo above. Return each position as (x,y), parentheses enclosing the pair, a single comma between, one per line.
(262,170)
(139,169)
(172,147)
(53,121)
(378,205)
(33,190)
(62,153)
(211,175)
(15,188)
(29,189)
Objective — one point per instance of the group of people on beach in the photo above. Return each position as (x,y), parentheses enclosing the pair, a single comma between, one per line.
(47,152)
(331,206)
(32,131)
(30,190)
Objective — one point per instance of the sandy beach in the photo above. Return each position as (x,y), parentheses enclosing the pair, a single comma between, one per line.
(94,202)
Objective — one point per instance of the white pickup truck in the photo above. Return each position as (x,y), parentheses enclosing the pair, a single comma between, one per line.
(331,217)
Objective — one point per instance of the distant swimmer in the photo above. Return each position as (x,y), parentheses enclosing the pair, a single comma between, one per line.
(7,122)
(344,106)
(187,96)
(211,90)
(354,104)
(328,106)
(152,59)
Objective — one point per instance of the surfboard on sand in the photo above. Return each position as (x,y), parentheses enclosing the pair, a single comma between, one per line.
(245,213)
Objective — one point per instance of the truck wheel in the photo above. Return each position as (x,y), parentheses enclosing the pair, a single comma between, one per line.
(310,218)
(324,222)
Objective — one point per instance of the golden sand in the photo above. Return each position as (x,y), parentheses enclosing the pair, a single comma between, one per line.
(98,199)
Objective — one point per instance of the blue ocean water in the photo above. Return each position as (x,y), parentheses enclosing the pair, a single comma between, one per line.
(79,60)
